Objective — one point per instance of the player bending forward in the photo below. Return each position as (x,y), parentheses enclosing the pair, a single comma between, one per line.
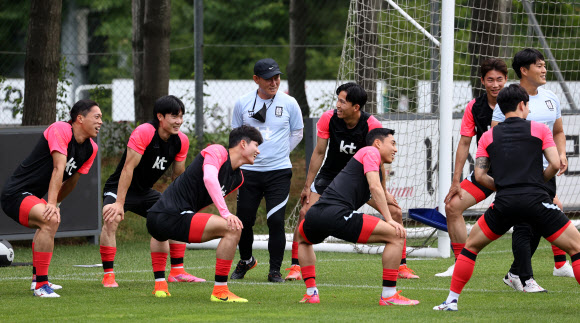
(515,148)
(340,134)
(62,154)
(335,215)
(152,148)
(213,174)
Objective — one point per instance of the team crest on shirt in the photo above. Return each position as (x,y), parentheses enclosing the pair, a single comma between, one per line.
(550,105)
(279,111)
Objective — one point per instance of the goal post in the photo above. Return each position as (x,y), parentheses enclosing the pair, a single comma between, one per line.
(402,52)
(445,116)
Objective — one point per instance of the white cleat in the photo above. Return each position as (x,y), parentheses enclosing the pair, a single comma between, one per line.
(447,273)
(52,286)
(513,281)
(533,287)
(45,291)
(452,306)
(564,271)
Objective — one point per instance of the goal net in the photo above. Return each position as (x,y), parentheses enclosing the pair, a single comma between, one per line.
(392,49)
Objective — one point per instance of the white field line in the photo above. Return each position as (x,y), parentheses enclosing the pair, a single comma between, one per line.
(99,273)
(377,287)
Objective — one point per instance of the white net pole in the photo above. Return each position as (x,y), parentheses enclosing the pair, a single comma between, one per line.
(445,115)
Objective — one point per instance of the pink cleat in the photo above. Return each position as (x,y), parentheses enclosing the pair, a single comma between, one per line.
(184,278)
(294,273)
(406,272)
(109,281)
(397,299)
(312,299)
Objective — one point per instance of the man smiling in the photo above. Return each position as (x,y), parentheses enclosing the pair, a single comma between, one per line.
(279,119)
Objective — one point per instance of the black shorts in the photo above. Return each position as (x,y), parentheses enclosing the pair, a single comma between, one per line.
(319,185)
(17,206)
(323,220)
(478,191)
(136,202)
(186,226)
(537,210)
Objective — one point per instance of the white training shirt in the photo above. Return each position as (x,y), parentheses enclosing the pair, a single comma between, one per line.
(282,117)
(544,108)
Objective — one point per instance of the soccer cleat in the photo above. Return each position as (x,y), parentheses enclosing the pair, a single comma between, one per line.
(406,272)
(447,273)
(275,277)
(452,306)
(45,291)
(312,299)
(184,278)
(513,281)
(564,271)
(294,273)
(533,287)
(161,289)
(226,296)
(52,286)
(109,280)
(397,299)
(242,268)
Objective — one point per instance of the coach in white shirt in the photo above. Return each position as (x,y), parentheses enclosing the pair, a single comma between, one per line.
(278,117)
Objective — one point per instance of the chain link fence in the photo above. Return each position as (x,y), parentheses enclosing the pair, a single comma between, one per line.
(96,51)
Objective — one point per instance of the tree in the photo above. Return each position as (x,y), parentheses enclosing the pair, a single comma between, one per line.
(41,65)
(297,62)
(489,19)
(156,32)
(137,8)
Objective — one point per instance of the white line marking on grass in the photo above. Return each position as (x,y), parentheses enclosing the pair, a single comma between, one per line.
(473,290)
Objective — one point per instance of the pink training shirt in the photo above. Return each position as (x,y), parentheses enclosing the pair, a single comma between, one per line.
(538,130)
(58,135)
(467,122)
(323,124)
(142,135)
(214,157)
(370,158)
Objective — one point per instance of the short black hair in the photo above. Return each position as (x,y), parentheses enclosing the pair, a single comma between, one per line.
(82,107)
(525,58)
(247,133)
(168,104)
(378,133)
(355,94)
(510,96)
(493,64)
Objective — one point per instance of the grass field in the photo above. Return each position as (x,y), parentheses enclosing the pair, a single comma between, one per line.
(349,286)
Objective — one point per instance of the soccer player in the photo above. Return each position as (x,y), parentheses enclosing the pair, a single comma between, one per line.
(341,133)
(515,150)
(279,119)
(62,154)
(152,149)
(335,215)
(530,67)
(213,174)
(476,120)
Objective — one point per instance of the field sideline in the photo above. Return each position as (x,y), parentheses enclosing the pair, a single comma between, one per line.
(349,285)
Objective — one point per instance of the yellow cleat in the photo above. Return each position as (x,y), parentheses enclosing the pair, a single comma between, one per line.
(161,289)
(161,293)
(224,295)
